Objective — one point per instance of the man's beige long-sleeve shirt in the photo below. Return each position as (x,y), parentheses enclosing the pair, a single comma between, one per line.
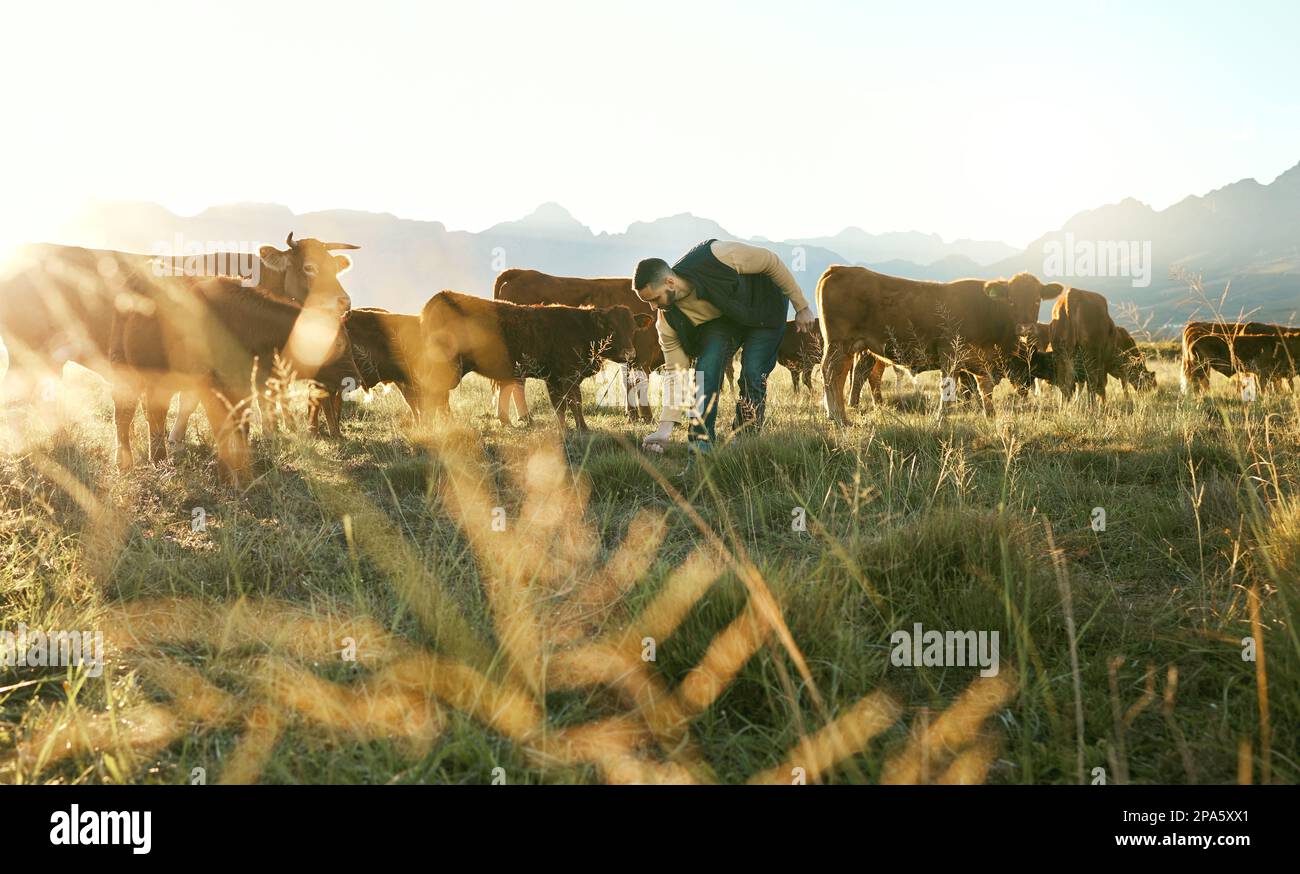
(744,259)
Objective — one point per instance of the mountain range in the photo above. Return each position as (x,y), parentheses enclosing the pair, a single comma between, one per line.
(1244,236)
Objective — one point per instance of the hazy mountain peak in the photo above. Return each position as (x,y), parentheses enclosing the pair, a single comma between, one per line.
(683,225)
(548,220)
(1287,179)
(551,213)
(249,211)
(916,247)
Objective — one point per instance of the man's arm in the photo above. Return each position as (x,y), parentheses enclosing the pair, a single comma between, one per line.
(744,258)
(674,355)
(678,363)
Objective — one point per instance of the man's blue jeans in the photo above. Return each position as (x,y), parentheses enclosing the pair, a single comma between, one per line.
(718,341)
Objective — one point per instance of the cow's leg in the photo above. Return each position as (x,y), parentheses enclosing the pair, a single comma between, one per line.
(411,395)
(862,365)
(836,365)
(1065,373)
(628,383)
(156,402)
(1097,380)
(807,379)
(984,385)
(636,392)
(513,390)
(574,396)
(504,397)
(314,403)
(439,403)
(269,412)
(643,411)
(503,394)
(188,404)
(333,412)
(125,399)
(969,384)
(876,376)
(560,400)
(234,466)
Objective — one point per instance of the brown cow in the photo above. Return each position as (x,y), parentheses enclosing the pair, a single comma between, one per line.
(1269,351)
(510,342)
(205,338)
(59,304)
(386,349)
(534,287)
(969,324)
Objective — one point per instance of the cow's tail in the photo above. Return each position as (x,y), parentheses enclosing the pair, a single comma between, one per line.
(819,296)
(1186,381)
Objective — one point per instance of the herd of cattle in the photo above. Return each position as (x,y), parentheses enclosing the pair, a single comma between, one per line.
(158,327)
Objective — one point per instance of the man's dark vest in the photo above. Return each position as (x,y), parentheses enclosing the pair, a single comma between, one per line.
(747,300)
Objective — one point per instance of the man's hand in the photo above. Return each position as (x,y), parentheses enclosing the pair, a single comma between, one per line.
(803,320)
(659,439)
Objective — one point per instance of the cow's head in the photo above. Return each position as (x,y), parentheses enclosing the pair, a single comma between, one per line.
(308,273)
(1131,361)
(1038,335)
(1023,293)
(645,341)
(619,325)
(1135,370)
(1032,361)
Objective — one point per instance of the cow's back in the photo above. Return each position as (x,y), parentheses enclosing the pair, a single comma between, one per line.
(464,332)
(534,287)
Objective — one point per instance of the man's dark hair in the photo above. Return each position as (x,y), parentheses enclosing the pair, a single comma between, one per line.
(650,271)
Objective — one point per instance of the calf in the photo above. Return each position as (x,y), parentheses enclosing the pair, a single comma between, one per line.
(510,342)
(386,348)
(534,287)
(205,338)
(1129,365)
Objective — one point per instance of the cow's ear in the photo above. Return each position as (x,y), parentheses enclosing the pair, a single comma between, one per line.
(274,258)
(644,320)
(1052,290)
(344,262)
(996,290)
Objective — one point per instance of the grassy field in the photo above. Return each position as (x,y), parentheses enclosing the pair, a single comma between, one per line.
(357,616)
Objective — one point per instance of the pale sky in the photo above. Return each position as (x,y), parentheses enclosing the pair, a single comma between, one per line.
(990,120)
